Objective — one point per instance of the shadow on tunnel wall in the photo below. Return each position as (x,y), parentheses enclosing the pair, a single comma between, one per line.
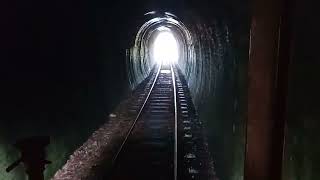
(217,78)
(219,88)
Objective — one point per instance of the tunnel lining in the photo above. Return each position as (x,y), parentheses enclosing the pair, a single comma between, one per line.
(139,62)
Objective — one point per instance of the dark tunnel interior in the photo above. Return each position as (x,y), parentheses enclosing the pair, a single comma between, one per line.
(65,65)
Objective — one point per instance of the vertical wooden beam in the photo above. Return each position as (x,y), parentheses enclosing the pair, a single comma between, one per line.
(268,69)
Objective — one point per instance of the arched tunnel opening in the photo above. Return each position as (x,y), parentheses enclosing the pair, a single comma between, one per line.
(162,39)
(164,48)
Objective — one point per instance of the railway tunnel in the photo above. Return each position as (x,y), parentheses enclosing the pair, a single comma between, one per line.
(68,66)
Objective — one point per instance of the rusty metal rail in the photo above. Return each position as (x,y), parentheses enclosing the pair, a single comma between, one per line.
(149,150)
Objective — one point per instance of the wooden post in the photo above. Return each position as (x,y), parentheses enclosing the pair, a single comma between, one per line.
(268,69)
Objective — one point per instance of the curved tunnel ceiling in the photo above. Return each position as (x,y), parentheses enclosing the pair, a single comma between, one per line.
(140,62)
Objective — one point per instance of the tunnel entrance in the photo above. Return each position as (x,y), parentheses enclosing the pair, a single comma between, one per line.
(163,38)
(165,47)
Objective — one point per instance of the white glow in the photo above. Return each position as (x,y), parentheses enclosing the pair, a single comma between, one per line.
(165,48)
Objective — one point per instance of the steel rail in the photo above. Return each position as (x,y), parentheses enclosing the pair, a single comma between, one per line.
(137,117)
(175,158)
(175,125)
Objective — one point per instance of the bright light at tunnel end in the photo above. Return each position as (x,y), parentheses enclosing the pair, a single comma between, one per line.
(165,48)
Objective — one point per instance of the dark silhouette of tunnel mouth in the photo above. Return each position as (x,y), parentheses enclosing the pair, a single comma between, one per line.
(139,59)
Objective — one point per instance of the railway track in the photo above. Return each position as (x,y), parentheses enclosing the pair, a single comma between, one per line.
(163,142)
